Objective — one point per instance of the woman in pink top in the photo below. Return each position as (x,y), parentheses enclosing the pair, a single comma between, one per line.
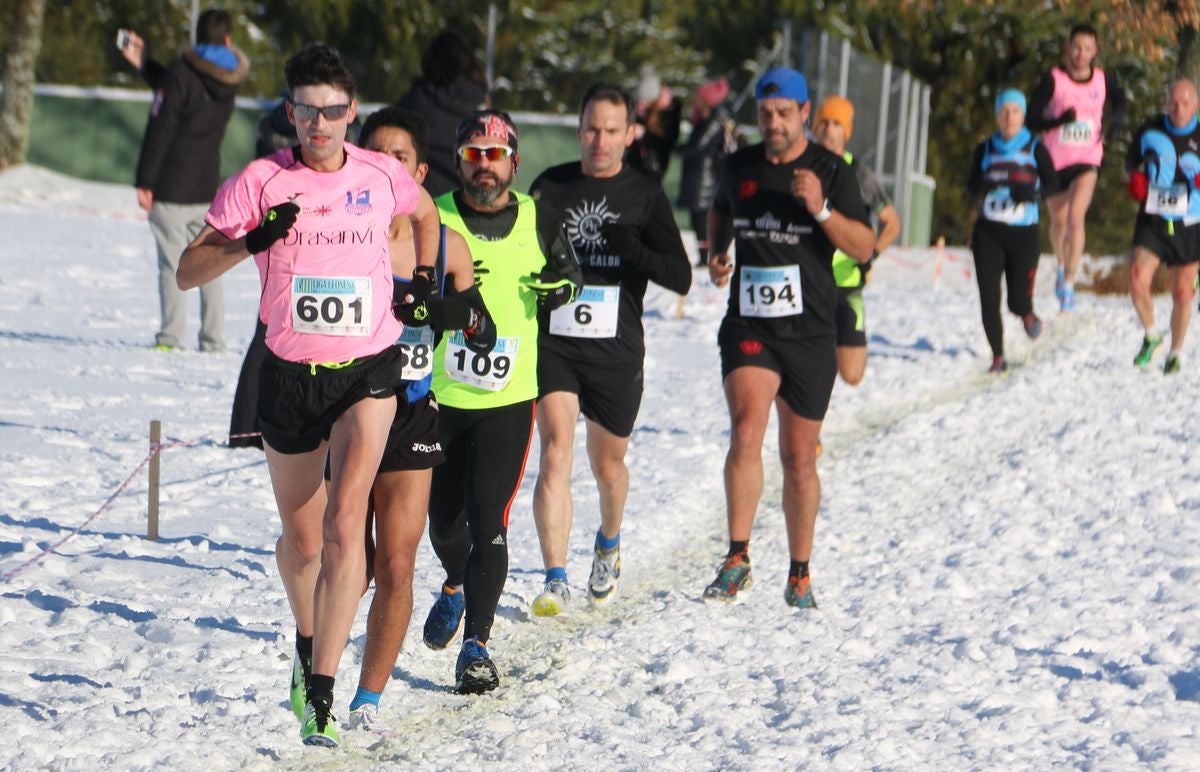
(316,218)
(1067,107)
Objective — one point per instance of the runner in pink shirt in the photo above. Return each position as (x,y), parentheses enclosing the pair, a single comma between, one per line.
(316,218)
(1067,107)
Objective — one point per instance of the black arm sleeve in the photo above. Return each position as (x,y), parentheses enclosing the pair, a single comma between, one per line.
(1035,116)
(1118,103)
(547,220)
(663,257)
(975,176)
(161,130)
(1046,171)
(480,334)
(152,72)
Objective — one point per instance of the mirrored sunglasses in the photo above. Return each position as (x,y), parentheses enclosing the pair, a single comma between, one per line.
(309,112)
(473,154)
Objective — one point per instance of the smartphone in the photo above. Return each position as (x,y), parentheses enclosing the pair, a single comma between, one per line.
(122,39)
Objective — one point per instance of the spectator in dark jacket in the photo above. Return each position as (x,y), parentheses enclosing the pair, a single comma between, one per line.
(714,133)
(657,131)
(178,169)
(451,87)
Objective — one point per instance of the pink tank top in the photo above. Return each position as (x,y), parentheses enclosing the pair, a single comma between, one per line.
(327,285)
(1077,142)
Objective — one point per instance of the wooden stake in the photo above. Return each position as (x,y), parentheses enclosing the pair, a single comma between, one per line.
(152,512)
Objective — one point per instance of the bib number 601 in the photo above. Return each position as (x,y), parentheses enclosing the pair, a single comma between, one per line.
(330,310)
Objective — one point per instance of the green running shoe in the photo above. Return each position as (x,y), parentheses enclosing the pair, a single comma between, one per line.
(733,577)
(299,686)
(1149,346)
(318,726)
(798,593)
(1172,364)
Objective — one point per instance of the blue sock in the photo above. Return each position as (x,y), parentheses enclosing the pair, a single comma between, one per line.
(556,573)
(363,697)
(605,543)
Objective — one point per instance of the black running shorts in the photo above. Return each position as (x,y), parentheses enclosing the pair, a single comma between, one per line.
(609,395)
(1178,248)
(298,403)
(413,440)
(1069,174)
(851,318)
(807,367)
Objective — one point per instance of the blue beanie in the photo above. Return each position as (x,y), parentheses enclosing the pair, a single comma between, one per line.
(1010,95)
(782,83)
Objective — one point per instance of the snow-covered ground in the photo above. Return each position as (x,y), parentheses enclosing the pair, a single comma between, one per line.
(1007,568)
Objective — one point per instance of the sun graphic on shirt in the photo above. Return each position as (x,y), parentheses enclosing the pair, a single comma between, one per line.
(584,223)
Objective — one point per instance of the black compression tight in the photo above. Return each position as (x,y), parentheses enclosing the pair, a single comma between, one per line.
(469,502)
(1012,252)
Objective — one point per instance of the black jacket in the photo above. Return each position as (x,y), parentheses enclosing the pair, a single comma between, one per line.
(443,108)
(180,159)
(710,140)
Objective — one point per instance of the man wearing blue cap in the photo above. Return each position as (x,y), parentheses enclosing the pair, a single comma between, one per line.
(789,203)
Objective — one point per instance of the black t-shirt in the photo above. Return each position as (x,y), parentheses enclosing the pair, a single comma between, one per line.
(773,229)
(631,198)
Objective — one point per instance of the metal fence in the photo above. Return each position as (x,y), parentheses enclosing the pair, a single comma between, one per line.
(891,118)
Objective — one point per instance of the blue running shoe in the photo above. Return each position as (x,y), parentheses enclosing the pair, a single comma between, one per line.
(474,673)
(1067,303)
(1060,284)
(732,577)
(1033,325)
(798,593)
(445,618)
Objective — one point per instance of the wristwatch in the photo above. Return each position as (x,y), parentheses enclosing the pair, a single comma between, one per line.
(824,214)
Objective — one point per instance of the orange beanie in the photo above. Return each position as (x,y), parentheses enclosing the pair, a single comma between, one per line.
(839,109)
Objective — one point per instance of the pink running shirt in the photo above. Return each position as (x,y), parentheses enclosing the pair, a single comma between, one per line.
(1078,142)
(327,285)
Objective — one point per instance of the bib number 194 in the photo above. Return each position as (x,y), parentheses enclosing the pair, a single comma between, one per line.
(770,292)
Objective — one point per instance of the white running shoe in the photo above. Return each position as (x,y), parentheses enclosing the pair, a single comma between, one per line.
(555,598)
(606,570)
(365,717)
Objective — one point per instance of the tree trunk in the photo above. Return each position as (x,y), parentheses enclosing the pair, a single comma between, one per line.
(16,103)
(1189,54)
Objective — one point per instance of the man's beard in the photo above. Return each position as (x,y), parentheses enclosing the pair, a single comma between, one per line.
(486,194)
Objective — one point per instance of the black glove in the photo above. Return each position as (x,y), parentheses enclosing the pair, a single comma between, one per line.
(623,241)
(559,283)
(274,226)
(1023,194)
(421,286)
(1068,116)
(553,291)
(408,302)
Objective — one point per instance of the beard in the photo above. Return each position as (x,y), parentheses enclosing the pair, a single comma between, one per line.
(486,187)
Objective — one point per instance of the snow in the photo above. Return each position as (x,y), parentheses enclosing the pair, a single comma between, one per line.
(1006,567)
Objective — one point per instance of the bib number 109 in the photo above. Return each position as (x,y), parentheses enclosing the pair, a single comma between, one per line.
(490,371)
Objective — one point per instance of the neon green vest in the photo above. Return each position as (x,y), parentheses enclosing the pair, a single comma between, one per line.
(845,268)
(500,267)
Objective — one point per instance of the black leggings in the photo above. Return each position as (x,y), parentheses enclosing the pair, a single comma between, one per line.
(1011,250)
(472,492)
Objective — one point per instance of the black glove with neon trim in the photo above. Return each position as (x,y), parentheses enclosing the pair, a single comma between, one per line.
(409,302)
(274,226)
(560,281)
